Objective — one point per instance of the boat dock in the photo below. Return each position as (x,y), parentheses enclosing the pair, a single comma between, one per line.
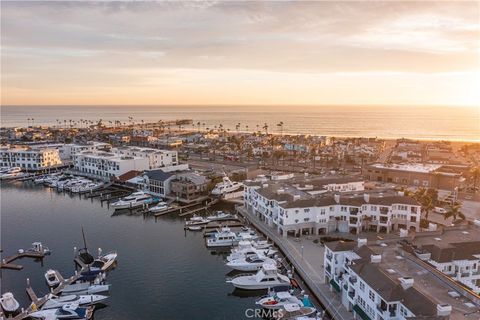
(37,302)
(191,205)
(7,262)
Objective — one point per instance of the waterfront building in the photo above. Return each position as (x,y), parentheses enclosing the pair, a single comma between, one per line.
(30,158)
(311,208)
(375,289)
(107,165)
(68,150)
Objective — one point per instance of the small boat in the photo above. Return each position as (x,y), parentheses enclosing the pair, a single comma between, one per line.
(159,207)
(40,248)
(222,216)
(10,173)
(136,199)
(84,288)
(51,276)
(277,300)
(104,262)
(267,277)
(226,186)
(195,228)
(293,311)
(83,300)
(196,221)
(9,304)
(67,311)
(249,263)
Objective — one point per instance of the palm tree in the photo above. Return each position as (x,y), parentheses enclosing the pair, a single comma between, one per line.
(475,172)
(453,210)
(280,126)
(265,127)
(427,206)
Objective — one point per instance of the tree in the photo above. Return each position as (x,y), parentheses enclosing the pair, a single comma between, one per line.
(475,171)
(265,127)
(427,206)
(453,210)
(280,126)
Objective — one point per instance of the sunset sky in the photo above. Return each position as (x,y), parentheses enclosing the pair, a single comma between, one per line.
(393,53)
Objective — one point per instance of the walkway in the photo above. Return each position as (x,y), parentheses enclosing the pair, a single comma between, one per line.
(307,258)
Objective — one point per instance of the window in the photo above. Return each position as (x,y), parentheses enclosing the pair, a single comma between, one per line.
(371,295)
(362,286)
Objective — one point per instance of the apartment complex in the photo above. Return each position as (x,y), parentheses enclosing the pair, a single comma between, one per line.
(372,288)
(118,161)
(30,158)
(319,208)
(156,158)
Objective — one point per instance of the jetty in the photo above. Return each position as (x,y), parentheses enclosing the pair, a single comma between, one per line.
(7,263)
(190,206)
(37,302)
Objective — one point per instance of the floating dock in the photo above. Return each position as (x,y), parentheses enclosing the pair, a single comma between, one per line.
(7,262)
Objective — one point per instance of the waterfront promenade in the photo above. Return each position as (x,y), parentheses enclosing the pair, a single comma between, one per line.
(307,258)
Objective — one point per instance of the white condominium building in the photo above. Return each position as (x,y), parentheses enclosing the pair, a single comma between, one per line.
(106,165)
(373,289)
(68,150)
(460,261)
(30,159)
(292,209)
(156,158)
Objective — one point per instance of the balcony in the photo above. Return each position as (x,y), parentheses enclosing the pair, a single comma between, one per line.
(351,294)
(352,280)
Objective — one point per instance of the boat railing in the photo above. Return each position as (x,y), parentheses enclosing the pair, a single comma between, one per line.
(239,275)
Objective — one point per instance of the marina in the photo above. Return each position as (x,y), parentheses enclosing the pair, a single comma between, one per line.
(215,222)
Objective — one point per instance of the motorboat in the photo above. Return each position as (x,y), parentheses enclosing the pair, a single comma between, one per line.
(9,304)
(195,228)
(10,173)
(267,277)
(83,300)
(196,221)
(245,249)
(52,278)
(277,300)
(293,311)
(159,207)
(104,262)
(249,263)
(84,288)
(226,186)
(222,216)
(136,199)
(39,248)
(224,238)
(67,311)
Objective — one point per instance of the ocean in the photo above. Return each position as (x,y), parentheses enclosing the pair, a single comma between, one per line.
(435,123)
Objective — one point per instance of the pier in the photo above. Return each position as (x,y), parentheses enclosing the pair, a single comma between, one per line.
(7,262)
(191,205)
(37,302)
(308,266)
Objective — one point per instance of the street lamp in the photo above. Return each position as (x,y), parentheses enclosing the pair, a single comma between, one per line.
(302,251)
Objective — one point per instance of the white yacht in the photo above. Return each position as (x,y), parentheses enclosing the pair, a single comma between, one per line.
(226,186)
(104,262)
(84,300)
(67,311)
(267,277)
(277,300)
(159,207)
(293,311)
(10,173)
(247,248)
(136,199)
(9,304)
(249,263)
(224,238)
(220,216)
(84,288)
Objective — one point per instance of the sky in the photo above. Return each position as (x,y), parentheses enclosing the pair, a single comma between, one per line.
(240,53)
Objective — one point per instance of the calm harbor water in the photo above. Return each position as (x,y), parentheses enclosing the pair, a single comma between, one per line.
(436,123)
(162,273)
